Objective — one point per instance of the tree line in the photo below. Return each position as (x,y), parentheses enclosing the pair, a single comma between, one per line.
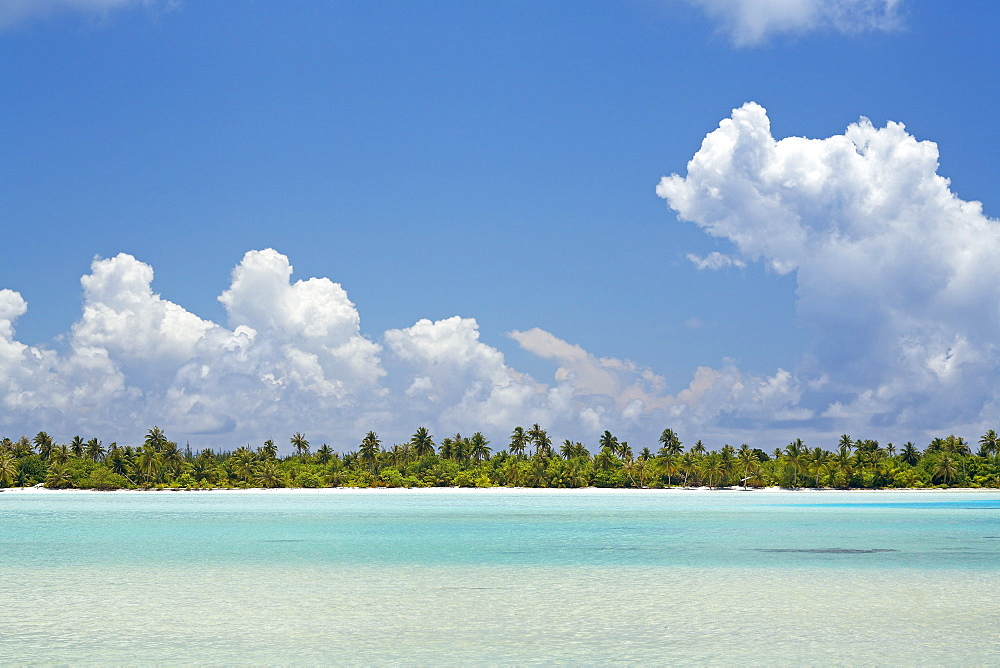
(529,459)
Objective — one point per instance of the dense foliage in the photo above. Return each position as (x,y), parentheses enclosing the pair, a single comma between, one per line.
(529,460)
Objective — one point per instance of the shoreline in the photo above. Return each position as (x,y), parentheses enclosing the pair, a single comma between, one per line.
(503,490)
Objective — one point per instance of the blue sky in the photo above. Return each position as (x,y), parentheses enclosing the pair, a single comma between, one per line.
(497,162)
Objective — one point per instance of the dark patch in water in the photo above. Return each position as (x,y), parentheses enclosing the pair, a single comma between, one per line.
(286,540)
(617,548)
(827,550)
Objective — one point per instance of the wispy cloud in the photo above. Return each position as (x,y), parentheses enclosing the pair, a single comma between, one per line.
(17,12)
(753,22)
(715,260)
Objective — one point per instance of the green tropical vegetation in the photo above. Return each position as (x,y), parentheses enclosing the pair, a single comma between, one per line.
(528,459)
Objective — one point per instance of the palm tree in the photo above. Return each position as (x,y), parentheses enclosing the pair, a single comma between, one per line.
(268,475)
(567,449)
(514,472)
(8,467)
(477,448)
(641,468)
(58,477)
(817,460)
(830,471)
(748,460)
(842,462)
(866,452)
(877,458)
(371,446)
(241,463)
(630,467)
(665,464)
(793,456)
(604,460)
(44,444)
(77,446)
(400,454)
(118,462)
(324,454)
(540,438)
(21,447)
(60,454)
(446,450)
(148,462)
(670,448)
(422,443)
(989,444)
(269,450)
(946,467)
(155,438)
(689,463)
(300,444)
(712,468)
(95,450)
(956,445)
(910,453)
(460,448)
(536,473)
(205,467)
(936,445)
(518,441)
(728,457)
(669,442)
(171,458)
(624,451)
(576,475)
(608,441)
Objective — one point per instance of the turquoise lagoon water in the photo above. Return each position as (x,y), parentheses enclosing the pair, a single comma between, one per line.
(500,576)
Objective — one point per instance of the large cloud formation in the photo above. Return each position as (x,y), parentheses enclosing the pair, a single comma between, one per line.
(292,357)
(897,276)
(752,22)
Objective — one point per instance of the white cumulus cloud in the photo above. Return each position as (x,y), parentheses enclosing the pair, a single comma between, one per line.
(752,22)
(897,276)
(292,357)
(314,316)
(121,315)
(464,383)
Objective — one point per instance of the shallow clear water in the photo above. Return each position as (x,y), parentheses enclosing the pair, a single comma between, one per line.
(500,576)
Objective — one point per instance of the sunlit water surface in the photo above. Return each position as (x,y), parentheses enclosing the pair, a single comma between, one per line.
(500,576)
